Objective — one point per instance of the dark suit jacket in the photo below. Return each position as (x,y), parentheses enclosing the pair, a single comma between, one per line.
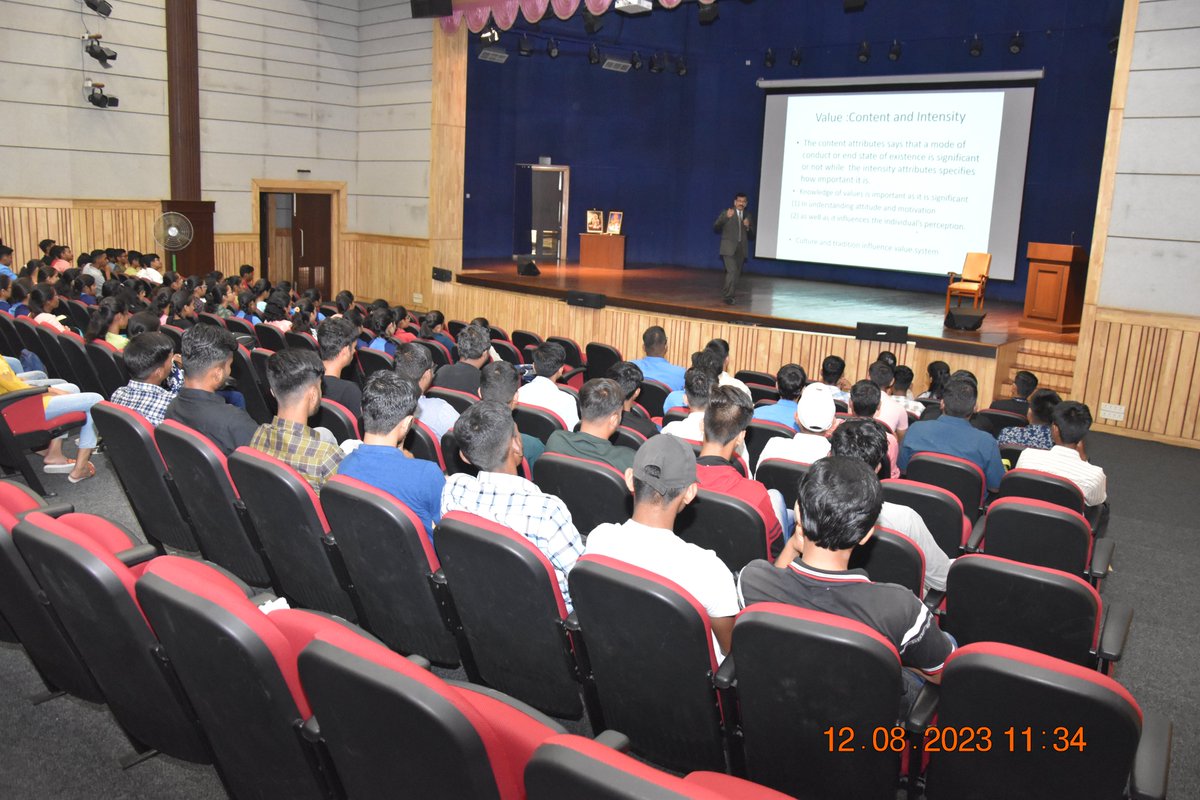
(729,228)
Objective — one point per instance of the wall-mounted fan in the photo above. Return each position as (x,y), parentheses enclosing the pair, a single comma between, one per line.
(173,232)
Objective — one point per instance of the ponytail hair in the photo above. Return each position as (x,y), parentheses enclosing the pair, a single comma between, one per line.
(39,297)
(80,283)
(430,321)
(106,312)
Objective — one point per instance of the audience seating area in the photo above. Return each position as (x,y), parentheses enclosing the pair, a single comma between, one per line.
(188,641)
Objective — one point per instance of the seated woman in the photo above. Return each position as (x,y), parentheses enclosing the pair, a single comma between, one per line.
(276,312)
(247,308)
(18,294)
(83,289)
(43,300)
(383,322)
(182,311)
(433,326)
(108,320)
(62,399)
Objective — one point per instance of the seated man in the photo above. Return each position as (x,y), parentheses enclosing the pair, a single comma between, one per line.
(338,339)
(699,386)
(790,380)
(725,421)
(601,400)
(490,440)
(654,365)
(207,361)
(1069,428)
(548,362)
(721,348)
(663,481)
(840,500)
(1036,434)
(473,352)
(709,361)
(902,390)
(888,412)
(414,363)
(815,417)
(498,382)
(833,370)
(952,433)
(388,404)
(295,378)
(149,358)
(1024,383)
(629,376)
(866,440)
(865,398)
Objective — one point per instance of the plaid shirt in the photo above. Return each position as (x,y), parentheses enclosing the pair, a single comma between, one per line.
(298,446)
(147,399)
(515,502)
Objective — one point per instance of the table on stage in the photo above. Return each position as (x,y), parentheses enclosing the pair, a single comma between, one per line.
(602,250)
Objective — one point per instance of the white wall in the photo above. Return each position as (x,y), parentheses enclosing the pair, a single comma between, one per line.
(1152,259)
(53,143)
(341,88)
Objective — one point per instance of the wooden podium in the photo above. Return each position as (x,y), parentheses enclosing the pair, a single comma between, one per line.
(1054,292)
(602,250)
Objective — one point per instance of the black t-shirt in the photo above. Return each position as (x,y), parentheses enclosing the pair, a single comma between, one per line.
(462,377)
(640,424)
(229,427)
(345,392)
(892,610)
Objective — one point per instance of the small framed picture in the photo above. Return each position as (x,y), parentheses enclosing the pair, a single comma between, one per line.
(595,220)
(614,222)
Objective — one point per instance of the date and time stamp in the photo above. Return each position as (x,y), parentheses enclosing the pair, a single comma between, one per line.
(1061,739)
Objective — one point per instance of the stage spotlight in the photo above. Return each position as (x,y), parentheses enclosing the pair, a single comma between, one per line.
(795,59)
(101,7)
(635,60)
(491,34)
(552,48)
(894,52)
(769,58)
(976,49)
(98,51)
(708,14)
(593,55)
(592,22)
(98,98)
(1016,44)
(525,47)
(657,63)
(681,67)
(1114,44)
(864,52)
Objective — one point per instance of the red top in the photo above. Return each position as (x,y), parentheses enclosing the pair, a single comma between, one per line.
(726,480)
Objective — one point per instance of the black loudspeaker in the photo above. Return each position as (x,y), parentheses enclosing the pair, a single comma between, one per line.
(442,275)
(849,6)
(527,268)
(964,320)
(586,299)
(881,333)
(432,8)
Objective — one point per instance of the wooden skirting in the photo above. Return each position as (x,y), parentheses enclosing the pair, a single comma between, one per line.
(83,224)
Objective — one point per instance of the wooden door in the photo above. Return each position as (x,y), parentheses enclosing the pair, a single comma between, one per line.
(312,243)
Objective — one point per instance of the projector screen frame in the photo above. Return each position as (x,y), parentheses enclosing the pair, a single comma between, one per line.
(897,82)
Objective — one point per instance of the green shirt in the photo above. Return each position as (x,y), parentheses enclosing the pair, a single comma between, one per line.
(584,445)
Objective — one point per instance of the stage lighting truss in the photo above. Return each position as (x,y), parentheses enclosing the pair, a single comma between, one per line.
(98,51)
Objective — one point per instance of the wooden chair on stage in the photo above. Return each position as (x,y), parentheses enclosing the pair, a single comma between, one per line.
(971,282)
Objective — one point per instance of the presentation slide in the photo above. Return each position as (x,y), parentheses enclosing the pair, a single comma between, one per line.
(895,180)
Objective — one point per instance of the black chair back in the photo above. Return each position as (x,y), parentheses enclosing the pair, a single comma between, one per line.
(260,405)
(459,399)
(600,358)
(997,420)
(149,487)
(1037,485)
(962,478)
(505,350)
(209,318)
(58,366)
(763,395)
(1039,533)
(537,421)
(337,419)
(652,397)
(81,366)
(574,352)
(422,443)
(10,340)
(270,337)
(441,356)
(782,476)
(176,336)
(628,437)
(373,361)
(240,327)
(524,339)
(109,366)
(594,492)
(891,557)
(940,510)
(675,414)
(762,431)
(77,313)
(748,376)
(27,333)
(303,341)
(728,526)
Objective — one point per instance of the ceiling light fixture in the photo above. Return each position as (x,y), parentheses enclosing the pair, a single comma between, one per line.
(1016,44)
(864,52)
(976,48)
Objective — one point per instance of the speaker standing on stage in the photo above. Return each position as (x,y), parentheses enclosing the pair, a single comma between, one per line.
(736,229)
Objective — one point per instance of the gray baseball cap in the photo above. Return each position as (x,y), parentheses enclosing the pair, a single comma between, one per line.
(665,462)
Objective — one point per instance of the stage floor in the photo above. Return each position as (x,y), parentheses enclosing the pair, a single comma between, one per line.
(788,303)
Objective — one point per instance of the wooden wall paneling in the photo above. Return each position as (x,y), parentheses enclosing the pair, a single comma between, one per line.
(231,250)
(447,157)
(82,224)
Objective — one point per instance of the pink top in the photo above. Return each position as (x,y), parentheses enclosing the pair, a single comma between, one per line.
(60,266)
(46,318)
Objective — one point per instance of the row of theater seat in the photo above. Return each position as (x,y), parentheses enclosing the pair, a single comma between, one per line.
(295,703)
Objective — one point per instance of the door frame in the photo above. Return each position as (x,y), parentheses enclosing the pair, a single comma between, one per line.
(337,214)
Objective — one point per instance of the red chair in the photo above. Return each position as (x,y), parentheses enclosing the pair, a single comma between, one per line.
(241,327)
(337,419)
(109,365)
(459,399)
(729,526)
(524,339)
(783,476)
(600,359)
(891,557)
(1058,731)
(748,376)
(1043,534)
(304,341)
(575,357)
(537,421)
(260,404)
(940,510)
(372,361)
(507,351)
(998,420)
(422,443)
(24,427)
(594,492)
(761,431)
(75,352)
(652,396)
(441,356)
(959,476)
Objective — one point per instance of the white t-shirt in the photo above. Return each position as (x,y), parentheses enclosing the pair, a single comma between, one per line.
(1066,463)
(544,393)
(805,448)
(907,521)
(700,572)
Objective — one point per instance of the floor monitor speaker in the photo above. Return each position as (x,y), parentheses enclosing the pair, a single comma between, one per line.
(586,299)
(527,268)
(964,320)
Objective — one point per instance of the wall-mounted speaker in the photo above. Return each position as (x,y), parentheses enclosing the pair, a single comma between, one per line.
(442,275)
(586,299)
(849,6)
(432,8)
(872,331)
(964,320)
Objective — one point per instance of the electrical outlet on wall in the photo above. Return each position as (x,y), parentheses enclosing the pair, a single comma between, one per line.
(418,298)
(1112,411)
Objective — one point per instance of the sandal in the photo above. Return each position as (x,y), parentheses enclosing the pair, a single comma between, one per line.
(59,469)
(91,474)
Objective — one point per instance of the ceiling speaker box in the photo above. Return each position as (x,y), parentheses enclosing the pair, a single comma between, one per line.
(432,8)
(964,320)
(587,299)
(528,269)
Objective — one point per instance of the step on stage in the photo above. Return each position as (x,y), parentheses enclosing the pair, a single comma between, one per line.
(768,301)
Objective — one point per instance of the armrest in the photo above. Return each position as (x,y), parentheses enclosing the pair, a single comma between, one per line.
(566,376)
(56,510)
(923,710)
(310,731)
(9,398)
(136,555)
(1102,552)
(263,597)
(438,578)
(976,538)
(1152,763)
(421,662)
(614,739)
(1114,631)
(571,623)
(933,599)
(726,675)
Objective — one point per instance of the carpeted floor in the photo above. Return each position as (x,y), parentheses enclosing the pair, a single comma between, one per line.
(66,748)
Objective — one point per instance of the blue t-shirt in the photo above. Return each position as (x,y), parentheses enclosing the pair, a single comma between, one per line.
(656,368)
(676,399)
(783,412)
(386,345)
(413,481)
(954,436)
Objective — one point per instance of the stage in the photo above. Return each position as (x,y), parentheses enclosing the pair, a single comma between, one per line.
(766,301)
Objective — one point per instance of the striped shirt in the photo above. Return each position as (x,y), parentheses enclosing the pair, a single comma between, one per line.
(893,611)
(519,504)
(1065,462)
